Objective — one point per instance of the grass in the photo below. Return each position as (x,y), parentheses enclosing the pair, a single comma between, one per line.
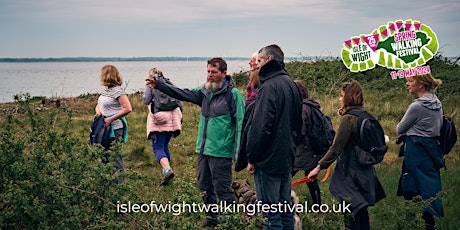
(391,213)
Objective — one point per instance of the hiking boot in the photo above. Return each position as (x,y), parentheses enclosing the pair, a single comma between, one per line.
(167,176)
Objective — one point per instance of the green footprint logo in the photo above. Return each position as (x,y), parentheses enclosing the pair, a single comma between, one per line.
(400,44)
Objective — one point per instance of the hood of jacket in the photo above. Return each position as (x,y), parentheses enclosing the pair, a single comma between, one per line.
(312,103)
(272,68)
(429,101)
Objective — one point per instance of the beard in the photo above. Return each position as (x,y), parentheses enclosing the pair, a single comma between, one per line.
(213,86)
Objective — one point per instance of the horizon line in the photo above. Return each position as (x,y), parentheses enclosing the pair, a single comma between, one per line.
(158,58)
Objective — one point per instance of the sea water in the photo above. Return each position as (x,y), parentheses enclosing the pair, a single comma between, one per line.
(72,79)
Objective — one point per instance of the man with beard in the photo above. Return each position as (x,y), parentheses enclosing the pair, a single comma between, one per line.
(219,130)
(272,136)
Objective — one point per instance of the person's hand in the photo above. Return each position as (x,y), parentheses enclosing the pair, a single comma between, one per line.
(341,111)
(314,173)
(151,82)
(250,168)
(107,121)
(400,139)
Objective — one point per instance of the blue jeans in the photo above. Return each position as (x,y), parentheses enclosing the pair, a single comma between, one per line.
(272,189)
(160,145)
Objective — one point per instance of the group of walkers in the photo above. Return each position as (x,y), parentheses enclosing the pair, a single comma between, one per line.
(261,133)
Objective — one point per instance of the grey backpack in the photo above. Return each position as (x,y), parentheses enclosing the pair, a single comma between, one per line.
(162,101)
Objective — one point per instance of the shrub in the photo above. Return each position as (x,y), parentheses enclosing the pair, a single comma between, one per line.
(50,180)
(241,78)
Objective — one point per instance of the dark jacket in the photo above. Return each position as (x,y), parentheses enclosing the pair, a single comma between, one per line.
(351,180)
(242,159)
(420,172)
(99,134)
(306,158)
(274,130)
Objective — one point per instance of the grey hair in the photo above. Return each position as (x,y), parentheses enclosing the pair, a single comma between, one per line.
(272,50)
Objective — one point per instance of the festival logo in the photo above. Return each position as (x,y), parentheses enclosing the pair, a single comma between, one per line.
(401,45)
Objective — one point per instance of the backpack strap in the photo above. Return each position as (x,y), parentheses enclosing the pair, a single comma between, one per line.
(230,102)
(154,104)
(361,116)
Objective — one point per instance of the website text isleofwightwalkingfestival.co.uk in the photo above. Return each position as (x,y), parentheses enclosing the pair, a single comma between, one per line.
(249,209)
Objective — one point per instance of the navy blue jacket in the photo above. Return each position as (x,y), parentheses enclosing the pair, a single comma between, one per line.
(420,172)
(98,133)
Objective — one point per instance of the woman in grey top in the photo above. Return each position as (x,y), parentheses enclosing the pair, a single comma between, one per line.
(114,105)
(421,125)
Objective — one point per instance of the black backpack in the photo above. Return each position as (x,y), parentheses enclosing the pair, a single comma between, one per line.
(448,136)
(372,147)
(321,133)
(162,101)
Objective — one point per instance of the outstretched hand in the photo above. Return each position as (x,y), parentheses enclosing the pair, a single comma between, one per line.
(151,82)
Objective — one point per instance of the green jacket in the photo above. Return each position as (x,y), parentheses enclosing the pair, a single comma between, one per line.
(218,135)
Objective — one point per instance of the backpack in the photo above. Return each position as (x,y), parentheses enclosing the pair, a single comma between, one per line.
(321,133)
(162,101)
(372,147)
(448,136)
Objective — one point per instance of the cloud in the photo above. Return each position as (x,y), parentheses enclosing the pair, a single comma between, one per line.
(172,11)
(205,27)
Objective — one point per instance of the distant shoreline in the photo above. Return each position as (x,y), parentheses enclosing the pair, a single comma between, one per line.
(114,59)
(126,59)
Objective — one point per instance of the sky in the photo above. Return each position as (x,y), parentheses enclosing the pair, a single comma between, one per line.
(208,28)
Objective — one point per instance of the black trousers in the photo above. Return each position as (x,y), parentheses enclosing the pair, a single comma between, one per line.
(215,180)
(360,221)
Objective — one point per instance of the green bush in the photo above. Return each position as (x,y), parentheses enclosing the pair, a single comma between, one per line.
(240,78)
(50,180)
